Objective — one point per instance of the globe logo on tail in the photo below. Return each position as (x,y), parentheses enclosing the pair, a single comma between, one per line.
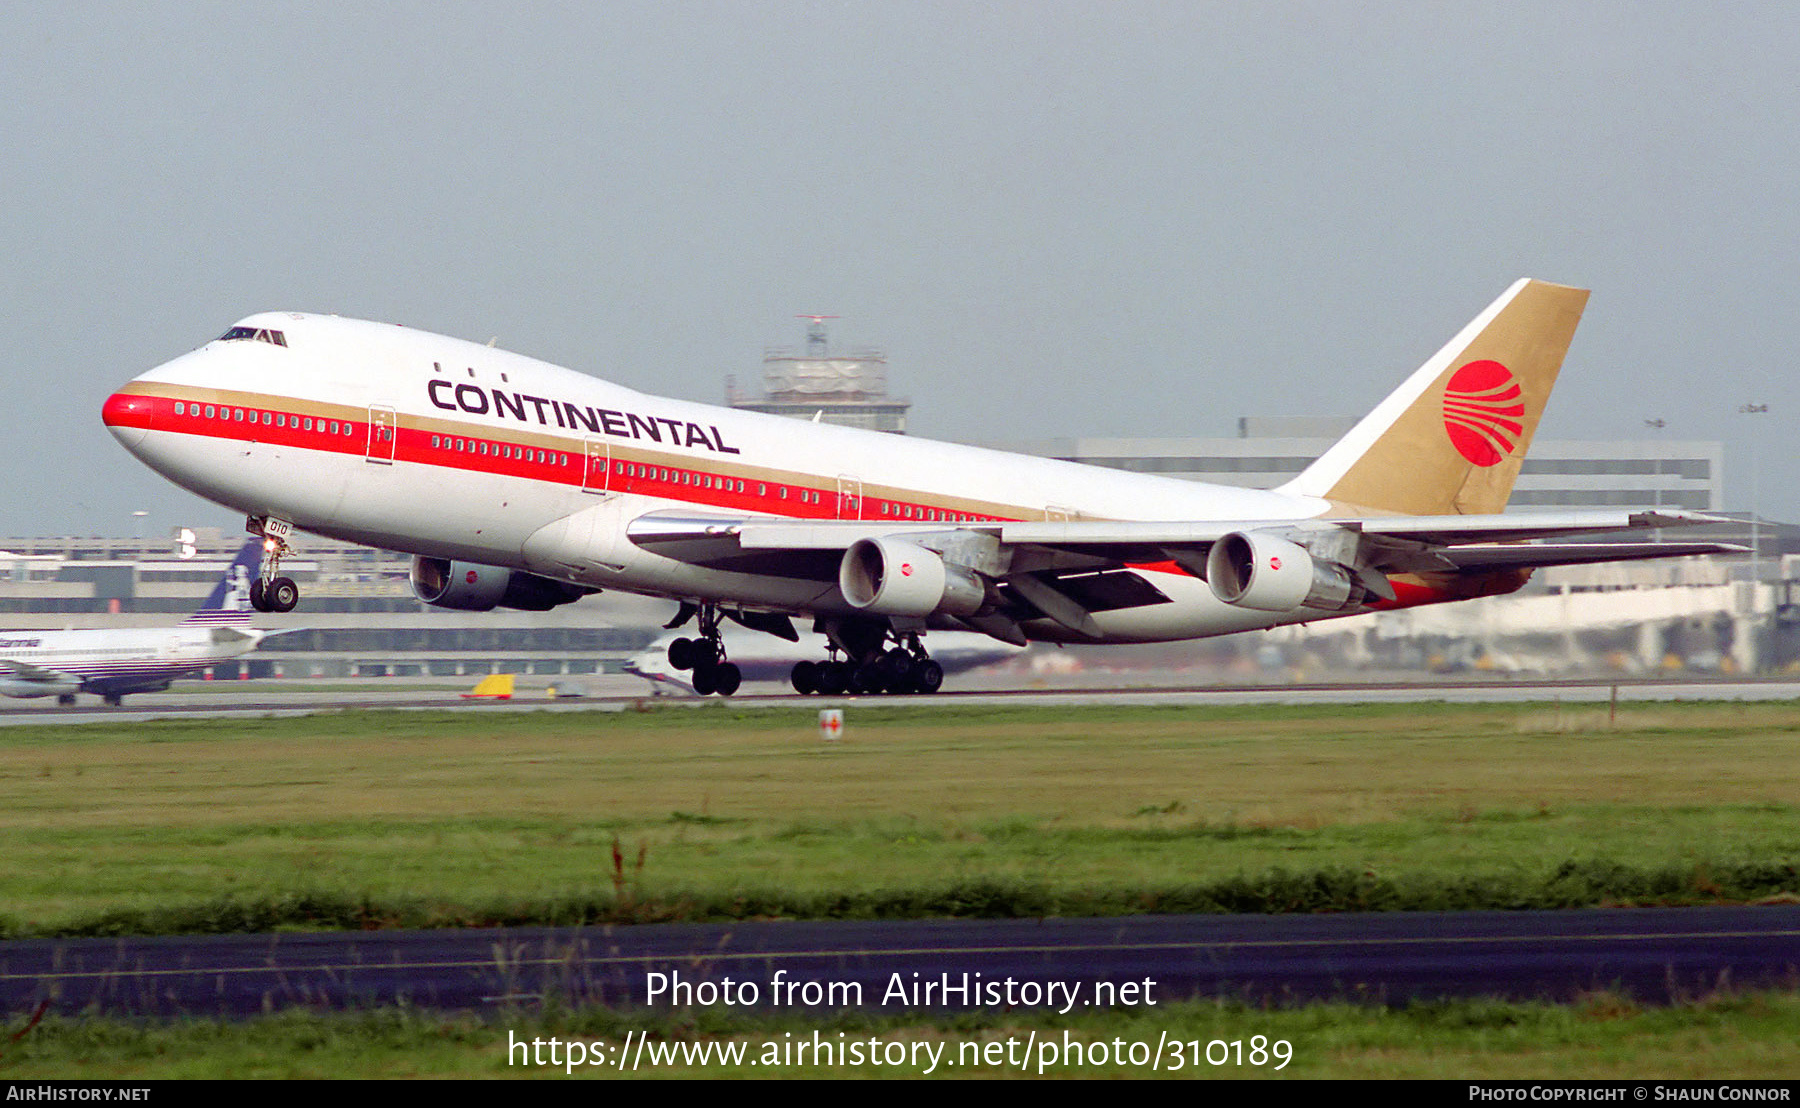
(1484,409)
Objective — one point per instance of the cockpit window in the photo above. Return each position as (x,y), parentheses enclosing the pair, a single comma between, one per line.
(254,334)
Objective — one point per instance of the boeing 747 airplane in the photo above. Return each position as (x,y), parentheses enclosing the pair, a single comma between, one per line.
(518,483)
(112,662)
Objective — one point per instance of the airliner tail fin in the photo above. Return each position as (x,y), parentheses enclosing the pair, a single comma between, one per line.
(229,602)
(1451,439)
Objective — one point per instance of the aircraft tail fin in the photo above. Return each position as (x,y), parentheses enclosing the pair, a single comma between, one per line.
(228,605)
(1451,439)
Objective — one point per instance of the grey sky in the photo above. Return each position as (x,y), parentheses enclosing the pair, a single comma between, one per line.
(1059,219)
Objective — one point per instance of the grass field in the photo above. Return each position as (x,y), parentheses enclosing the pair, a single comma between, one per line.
(404,818)
(454,817)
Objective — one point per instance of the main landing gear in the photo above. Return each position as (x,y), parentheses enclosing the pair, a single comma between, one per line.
(270,592)
(902,668)
(705,657)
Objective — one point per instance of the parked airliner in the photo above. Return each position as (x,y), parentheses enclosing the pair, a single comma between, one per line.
(112,662)
(519,483)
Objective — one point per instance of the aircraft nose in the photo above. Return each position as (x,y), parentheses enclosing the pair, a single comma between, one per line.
(127,417)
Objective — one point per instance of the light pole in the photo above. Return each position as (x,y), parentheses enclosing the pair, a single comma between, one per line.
(1755,488)
(1657,473)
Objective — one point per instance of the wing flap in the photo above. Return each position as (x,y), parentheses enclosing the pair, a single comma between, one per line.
(810,549)
(1541,554)
(1516,526)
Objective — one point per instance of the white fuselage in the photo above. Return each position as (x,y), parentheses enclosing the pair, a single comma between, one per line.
(411,441)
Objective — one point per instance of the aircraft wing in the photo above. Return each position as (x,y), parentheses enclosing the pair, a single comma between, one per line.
(24,679)
(25,671)
(813,549)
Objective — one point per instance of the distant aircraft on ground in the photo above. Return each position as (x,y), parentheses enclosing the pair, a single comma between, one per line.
(761,658)
(518,483)
(113,662)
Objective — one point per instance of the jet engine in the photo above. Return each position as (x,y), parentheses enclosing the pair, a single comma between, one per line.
(893,577)
(471,587)
(1260,571)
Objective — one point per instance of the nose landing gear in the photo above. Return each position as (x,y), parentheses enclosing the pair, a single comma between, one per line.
(270,592)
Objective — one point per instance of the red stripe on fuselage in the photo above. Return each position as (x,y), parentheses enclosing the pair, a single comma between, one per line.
(460,448)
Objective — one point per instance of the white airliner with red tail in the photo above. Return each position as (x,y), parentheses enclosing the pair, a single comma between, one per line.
(523,484)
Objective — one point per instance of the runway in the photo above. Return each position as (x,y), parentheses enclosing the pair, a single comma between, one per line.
(1650,955)
(622,693)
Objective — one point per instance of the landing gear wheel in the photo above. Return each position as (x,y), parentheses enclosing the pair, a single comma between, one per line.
(280,595)
(682,653)
(868,679)
(896,669)
(805,678)
(66,700)
(928,677)
(726,678)
(113,700)
(706,680)
(833,678)
(257,600)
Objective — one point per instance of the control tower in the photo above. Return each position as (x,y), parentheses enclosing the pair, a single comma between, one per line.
(848,388)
